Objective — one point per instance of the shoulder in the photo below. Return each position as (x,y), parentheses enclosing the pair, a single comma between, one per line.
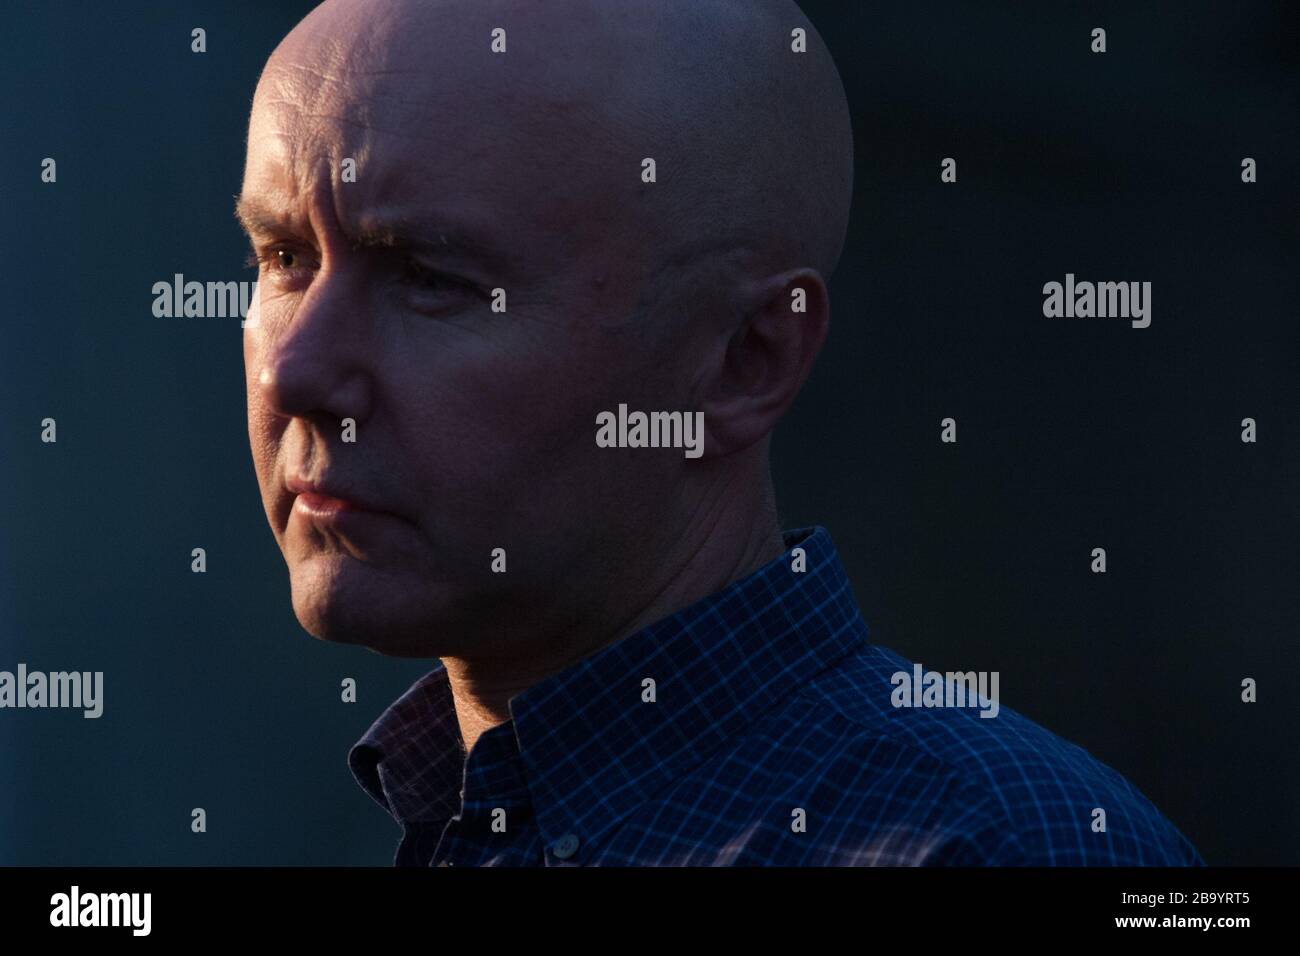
(943,784)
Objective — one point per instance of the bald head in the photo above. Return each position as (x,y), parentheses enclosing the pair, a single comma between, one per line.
(464,255)
(752,140)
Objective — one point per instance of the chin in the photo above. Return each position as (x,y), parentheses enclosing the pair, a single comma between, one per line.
(359,607)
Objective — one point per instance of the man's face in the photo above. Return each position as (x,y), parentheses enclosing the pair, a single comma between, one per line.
(474,429)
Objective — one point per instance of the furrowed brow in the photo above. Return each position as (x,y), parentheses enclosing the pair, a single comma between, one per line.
(257,218)
(443,239)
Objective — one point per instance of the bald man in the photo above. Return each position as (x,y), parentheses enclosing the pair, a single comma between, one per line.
(492,234)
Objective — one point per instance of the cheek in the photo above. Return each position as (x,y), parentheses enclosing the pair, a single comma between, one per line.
(528,386)
(253,364)
(265,432)
(253,403)
(497,428)
(501,438)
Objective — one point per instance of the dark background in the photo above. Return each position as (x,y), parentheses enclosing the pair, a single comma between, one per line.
(1073,433)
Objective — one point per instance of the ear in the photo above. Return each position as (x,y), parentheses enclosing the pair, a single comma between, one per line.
(766,360)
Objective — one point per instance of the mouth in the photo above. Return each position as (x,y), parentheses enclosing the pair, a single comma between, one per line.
(322,505)
(326,502)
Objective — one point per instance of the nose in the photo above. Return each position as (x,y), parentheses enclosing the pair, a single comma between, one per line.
(312,357)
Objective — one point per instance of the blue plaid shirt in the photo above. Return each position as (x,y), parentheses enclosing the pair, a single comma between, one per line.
(770,739)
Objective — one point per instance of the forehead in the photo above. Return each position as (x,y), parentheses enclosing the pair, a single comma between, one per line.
(448,132)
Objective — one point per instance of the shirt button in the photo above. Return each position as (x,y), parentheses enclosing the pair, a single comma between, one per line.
(565,846)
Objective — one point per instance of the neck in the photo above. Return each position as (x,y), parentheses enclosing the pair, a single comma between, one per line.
(727,537)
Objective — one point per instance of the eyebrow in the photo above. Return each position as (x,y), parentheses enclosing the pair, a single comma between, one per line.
(254,217)
(446,238)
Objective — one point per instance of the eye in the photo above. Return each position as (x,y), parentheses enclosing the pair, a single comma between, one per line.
(280,260)
(426,278)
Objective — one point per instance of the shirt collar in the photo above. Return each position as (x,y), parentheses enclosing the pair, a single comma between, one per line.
(591,745)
